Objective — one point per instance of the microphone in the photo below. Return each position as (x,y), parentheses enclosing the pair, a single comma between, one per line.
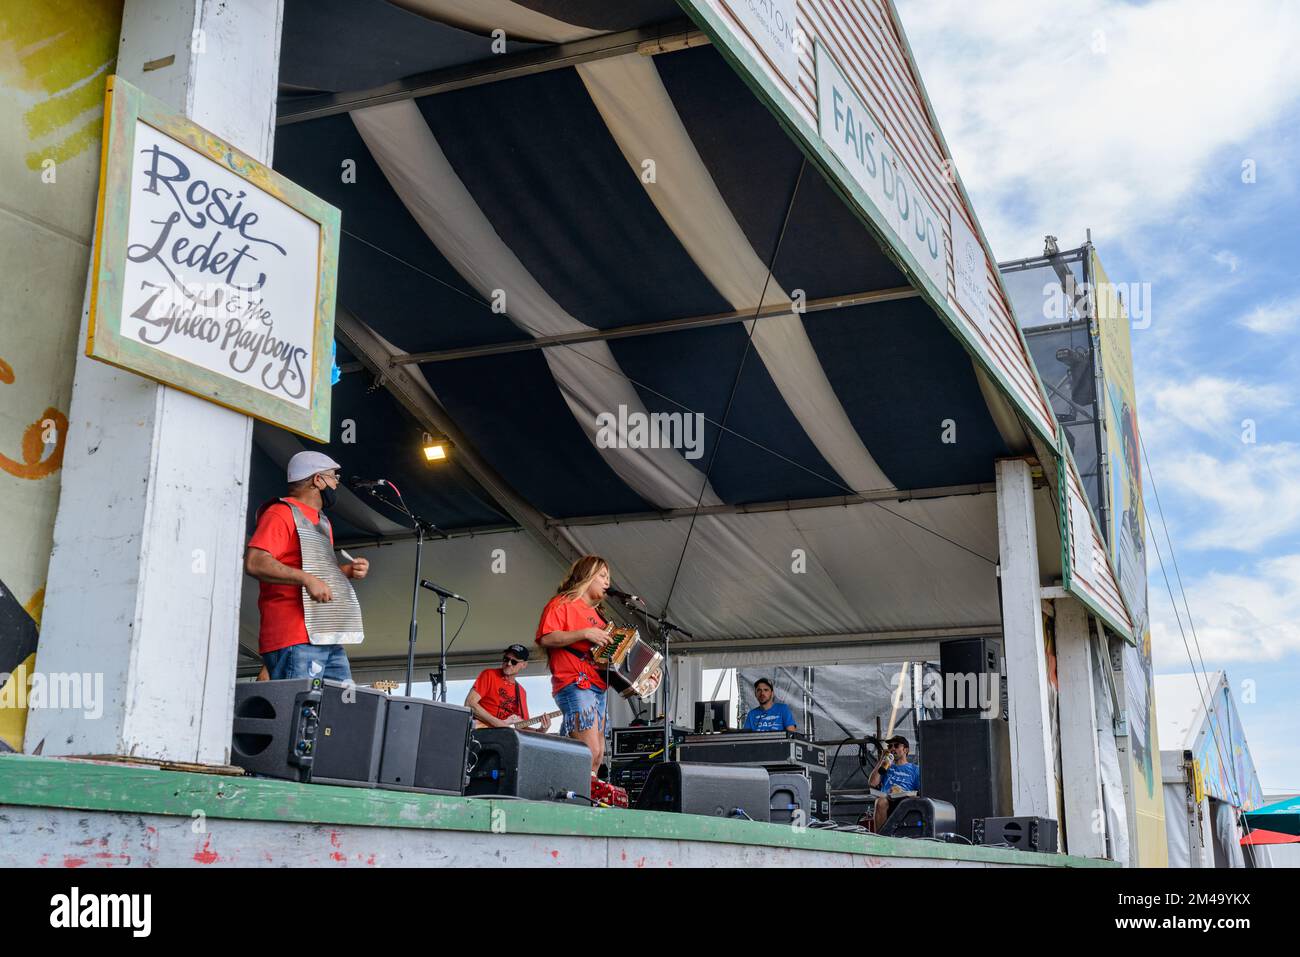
(624,596)
(438,590)
(360,483)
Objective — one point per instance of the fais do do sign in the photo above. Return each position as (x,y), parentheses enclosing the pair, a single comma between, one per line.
(212,273)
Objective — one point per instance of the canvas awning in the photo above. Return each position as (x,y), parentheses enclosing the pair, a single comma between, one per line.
(534,253)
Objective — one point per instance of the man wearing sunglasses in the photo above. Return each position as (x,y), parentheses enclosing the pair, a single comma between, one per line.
(497,699)
(305,597)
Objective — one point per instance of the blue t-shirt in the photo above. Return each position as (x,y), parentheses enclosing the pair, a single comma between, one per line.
(777,718)
(906,776)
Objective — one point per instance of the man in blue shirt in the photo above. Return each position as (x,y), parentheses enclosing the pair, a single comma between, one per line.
(770,715)
(893,774)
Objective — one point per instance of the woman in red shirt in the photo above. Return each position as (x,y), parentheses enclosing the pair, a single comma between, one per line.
(571,628)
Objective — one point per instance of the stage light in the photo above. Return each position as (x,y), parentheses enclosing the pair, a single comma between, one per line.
(435,448)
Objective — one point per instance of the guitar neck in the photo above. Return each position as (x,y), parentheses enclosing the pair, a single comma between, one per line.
(525,724)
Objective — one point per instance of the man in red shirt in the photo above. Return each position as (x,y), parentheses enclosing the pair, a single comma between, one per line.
(497,699)
(274,557)
(571,628)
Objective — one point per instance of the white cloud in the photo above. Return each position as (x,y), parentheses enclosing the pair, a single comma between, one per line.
(1241,503)
(1211,405)
(1248,616)
(1053,137)
(1272,318)
(1226,257)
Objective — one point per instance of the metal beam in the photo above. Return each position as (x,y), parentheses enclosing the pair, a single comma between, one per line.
(655,328)
(790,505)
(662,38)
(410,391)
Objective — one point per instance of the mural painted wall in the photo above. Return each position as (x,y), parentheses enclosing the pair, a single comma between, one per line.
(1126,540)
(54,58)
(1224,758)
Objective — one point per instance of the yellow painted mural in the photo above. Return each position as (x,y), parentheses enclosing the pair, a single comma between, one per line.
(55,56)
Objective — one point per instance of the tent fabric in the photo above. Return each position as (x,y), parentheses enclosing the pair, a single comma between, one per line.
(332,46)
(1177,826)
(533,187)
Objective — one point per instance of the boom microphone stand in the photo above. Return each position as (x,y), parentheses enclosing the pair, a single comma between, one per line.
(666,628)
(421,527)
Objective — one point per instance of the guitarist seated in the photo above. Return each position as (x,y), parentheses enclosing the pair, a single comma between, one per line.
(497,699)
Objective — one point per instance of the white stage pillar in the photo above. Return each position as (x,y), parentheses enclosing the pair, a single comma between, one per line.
(144,581)
(1033,765)
(1085,818)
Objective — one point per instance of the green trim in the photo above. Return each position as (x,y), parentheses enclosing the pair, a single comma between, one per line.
(125,107)
(31,781)
(858,202)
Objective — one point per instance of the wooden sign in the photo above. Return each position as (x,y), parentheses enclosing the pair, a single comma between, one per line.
(212,273)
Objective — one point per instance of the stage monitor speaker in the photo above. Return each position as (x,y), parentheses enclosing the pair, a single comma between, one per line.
(967,762)
(526,764)
(920,817)
(1022,833)
(719,790)
(351,737)
(790,798)
(276,727)
(971,668)
(426,746)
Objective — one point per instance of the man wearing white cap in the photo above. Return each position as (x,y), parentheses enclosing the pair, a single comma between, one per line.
(305,598)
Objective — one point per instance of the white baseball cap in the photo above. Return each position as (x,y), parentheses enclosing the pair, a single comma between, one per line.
(306,464)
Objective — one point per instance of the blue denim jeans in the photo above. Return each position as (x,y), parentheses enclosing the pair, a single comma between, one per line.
(308,661)
(583,708)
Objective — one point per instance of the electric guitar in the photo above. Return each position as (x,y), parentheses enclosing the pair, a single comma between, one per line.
(525,725)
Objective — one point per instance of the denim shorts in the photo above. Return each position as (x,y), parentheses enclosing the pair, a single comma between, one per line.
(583,708)
(308,661)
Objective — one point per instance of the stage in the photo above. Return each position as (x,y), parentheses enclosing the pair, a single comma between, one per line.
(70,813)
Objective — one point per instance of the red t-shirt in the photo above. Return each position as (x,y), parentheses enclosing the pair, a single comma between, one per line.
(571,614)
(499,697)
(283,623)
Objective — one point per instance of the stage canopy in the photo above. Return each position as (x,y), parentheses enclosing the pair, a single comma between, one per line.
(630,234)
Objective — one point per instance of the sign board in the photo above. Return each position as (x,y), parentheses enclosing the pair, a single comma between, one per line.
(212,273)
(970,272)
(854,136)
(770,24)
(1081,536)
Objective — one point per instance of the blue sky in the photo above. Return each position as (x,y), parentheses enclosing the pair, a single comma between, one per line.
(1142,122)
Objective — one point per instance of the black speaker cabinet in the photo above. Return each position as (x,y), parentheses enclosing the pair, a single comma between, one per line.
(426,746)
(790,794)
(920,817)
(351,735)
(276,727)
(1022,833)
(720,790)
(966,762)
(971,667)
(525,764)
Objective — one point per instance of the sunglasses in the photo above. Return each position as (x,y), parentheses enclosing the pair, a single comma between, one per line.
(511,661)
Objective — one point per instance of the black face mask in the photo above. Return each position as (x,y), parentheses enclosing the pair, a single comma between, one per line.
(328,496)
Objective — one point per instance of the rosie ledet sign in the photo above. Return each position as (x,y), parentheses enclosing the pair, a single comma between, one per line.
(213,273)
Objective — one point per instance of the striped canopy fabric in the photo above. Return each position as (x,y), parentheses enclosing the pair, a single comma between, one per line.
(831,461)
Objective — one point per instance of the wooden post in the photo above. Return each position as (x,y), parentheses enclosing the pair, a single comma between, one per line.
(1085,821)
(144,581)
(1033,765)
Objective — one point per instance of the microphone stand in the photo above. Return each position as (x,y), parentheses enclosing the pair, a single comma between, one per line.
(421,527)
(666,628)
